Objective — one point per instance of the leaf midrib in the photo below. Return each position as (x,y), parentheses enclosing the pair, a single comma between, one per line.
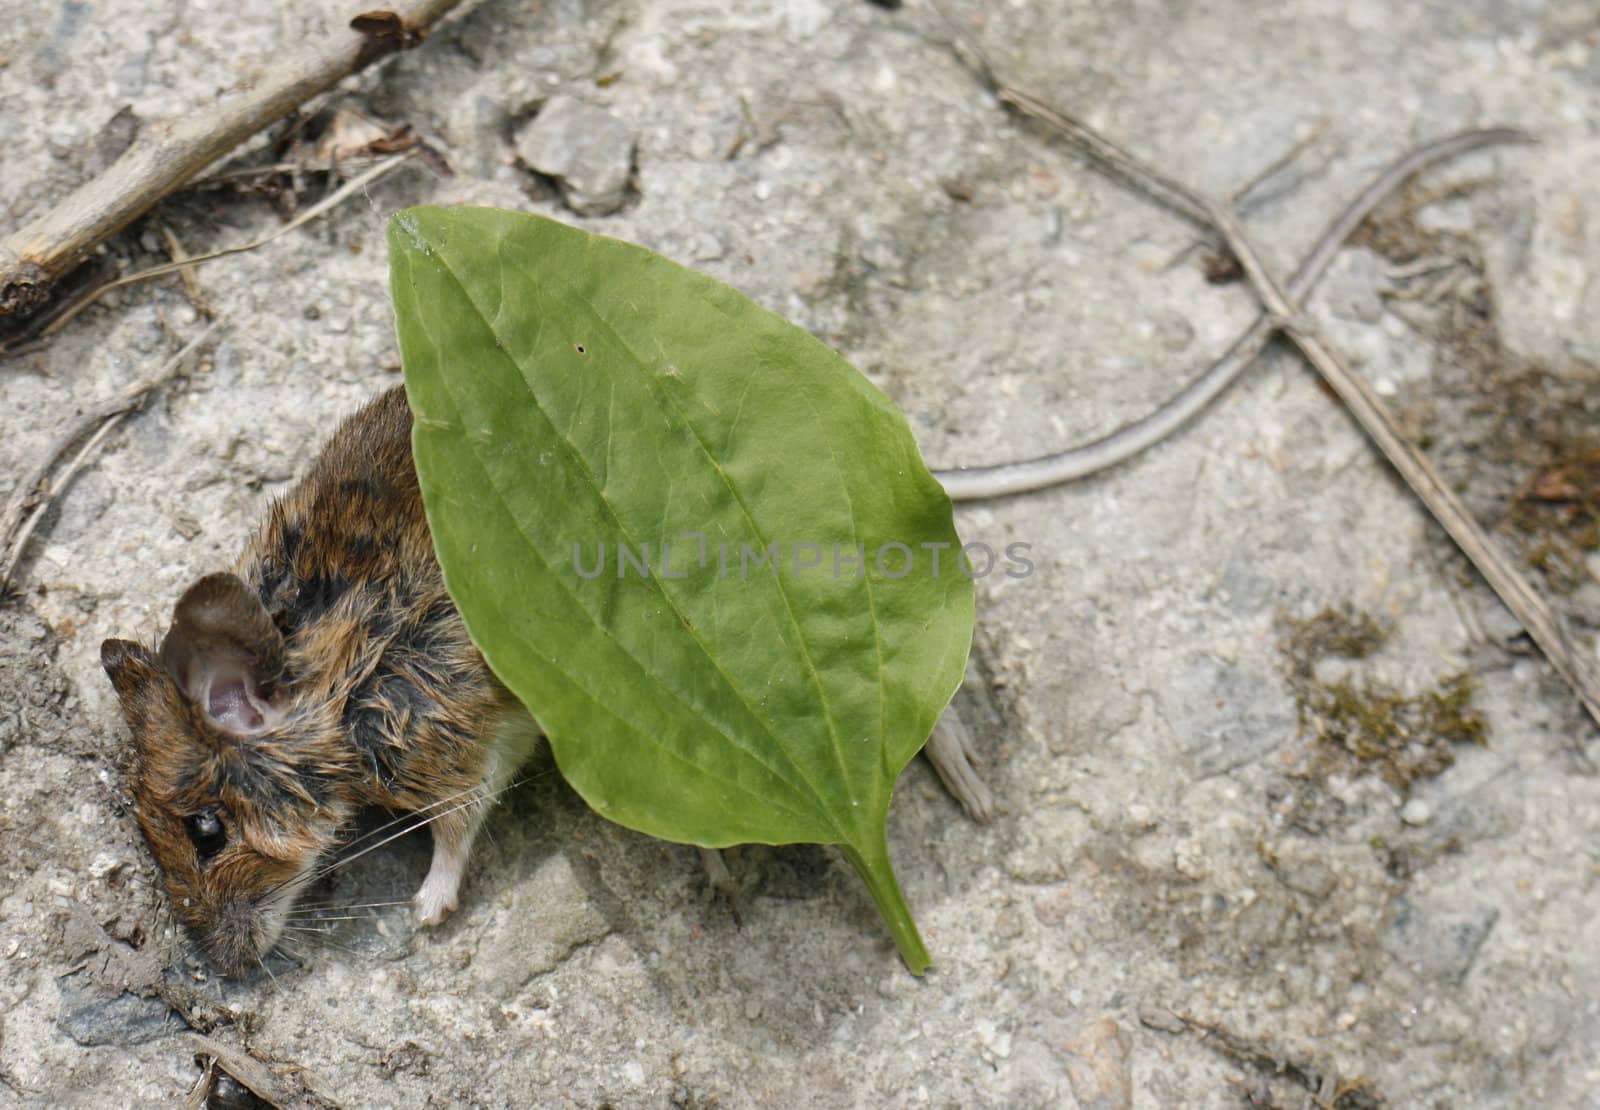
(767,799)
(845,777)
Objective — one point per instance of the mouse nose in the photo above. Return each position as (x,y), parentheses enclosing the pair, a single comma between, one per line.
(234,942)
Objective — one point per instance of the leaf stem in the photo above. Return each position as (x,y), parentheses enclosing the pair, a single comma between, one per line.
(871,861)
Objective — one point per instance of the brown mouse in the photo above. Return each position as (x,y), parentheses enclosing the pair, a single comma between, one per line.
(329,671)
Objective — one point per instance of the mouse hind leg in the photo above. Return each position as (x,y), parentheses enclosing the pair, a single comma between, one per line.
(457,827)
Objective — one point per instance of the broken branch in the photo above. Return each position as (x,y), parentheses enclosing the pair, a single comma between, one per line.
(187,265)
(165,155)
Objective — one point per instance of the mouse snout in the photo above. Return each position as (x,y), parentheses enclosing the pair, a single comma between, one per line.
(238,936)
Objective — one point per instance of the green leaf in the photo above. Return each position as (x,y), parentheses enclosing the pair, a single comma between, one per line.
(570,391)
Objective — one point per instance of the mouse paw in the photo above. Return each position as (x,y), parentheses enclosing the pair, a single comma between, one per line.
(435,901)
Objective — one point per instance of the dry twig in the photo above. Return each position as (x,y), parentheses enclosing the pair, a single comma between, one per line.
(186,266)
(1328,1089)
(251,1073)
(165,155)
(1282,306)
(33,497)
(191,280)
(983,482)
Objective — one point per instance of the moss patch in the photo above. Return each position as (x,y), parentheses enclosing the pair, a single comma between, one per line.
(1559,509)
(1363,725)
(1516,439)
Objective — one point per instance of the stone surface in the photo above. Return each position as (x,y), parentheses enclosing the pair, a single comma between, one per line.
(1097,1066)
(1162,837)
(586,149)
(1440,944)
(94,1016)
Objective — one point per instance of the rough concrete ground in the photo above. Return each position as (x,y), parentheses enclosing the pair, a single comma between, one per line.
(1174,841)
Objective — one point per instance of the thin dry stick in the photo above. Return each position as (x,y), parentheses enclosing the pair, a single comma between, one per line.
(1280,163)
(187,275)
(98,423)
(251,1073)
(1541,622)
(1003,480)
(166,155)
(1242,195)
(1324,1083)
(187,265)
(275,168)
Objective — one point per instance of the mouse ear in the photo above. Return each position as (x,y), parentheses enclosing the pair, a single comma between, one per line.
(130,666)
(226,654)
(123,661)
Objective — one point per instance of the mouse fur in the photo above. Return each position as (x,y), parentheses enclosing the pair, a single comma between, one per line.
(326,672)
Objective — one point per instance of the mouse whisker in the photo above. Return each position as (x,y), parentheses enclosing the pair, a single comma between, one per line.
(303,911)
(287,951)
(461,799)
(376,905)
(475,796)
(409,815)
(304,927)
(325,942)
(447,800)
(427,820)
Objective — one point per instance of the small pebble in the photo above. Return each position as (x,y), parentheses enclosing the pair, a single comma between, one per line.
(1416,812)
(585,148)
(104,865)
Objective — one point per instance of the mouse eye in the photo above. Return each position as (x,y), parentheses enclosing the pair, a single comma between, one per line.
(206,832)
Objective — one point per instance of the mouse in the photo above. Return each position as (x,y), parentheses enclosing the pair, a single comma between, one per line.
(327,672)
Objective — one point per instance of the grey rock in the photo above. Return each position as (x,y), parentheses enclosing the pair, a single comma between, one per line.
(1351,292)
(1249,589)
(1416,812)
(1440,944)
(1262,926)
(1492,809)
(1172,330)
(93,1015)
(1302,871)
(1225,715)
(586,149)
(564,919)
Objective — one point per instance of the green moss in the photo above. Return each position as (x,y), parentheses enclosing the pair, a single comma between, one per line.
(1401,737)
(1343,632)
(1366,725)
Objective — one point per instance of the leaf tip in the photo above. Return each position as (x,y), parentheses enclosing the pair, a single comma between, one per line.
(405,230)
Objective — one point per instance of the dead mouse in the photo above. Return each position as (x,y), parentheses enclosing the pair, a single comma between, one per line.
(329,671)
